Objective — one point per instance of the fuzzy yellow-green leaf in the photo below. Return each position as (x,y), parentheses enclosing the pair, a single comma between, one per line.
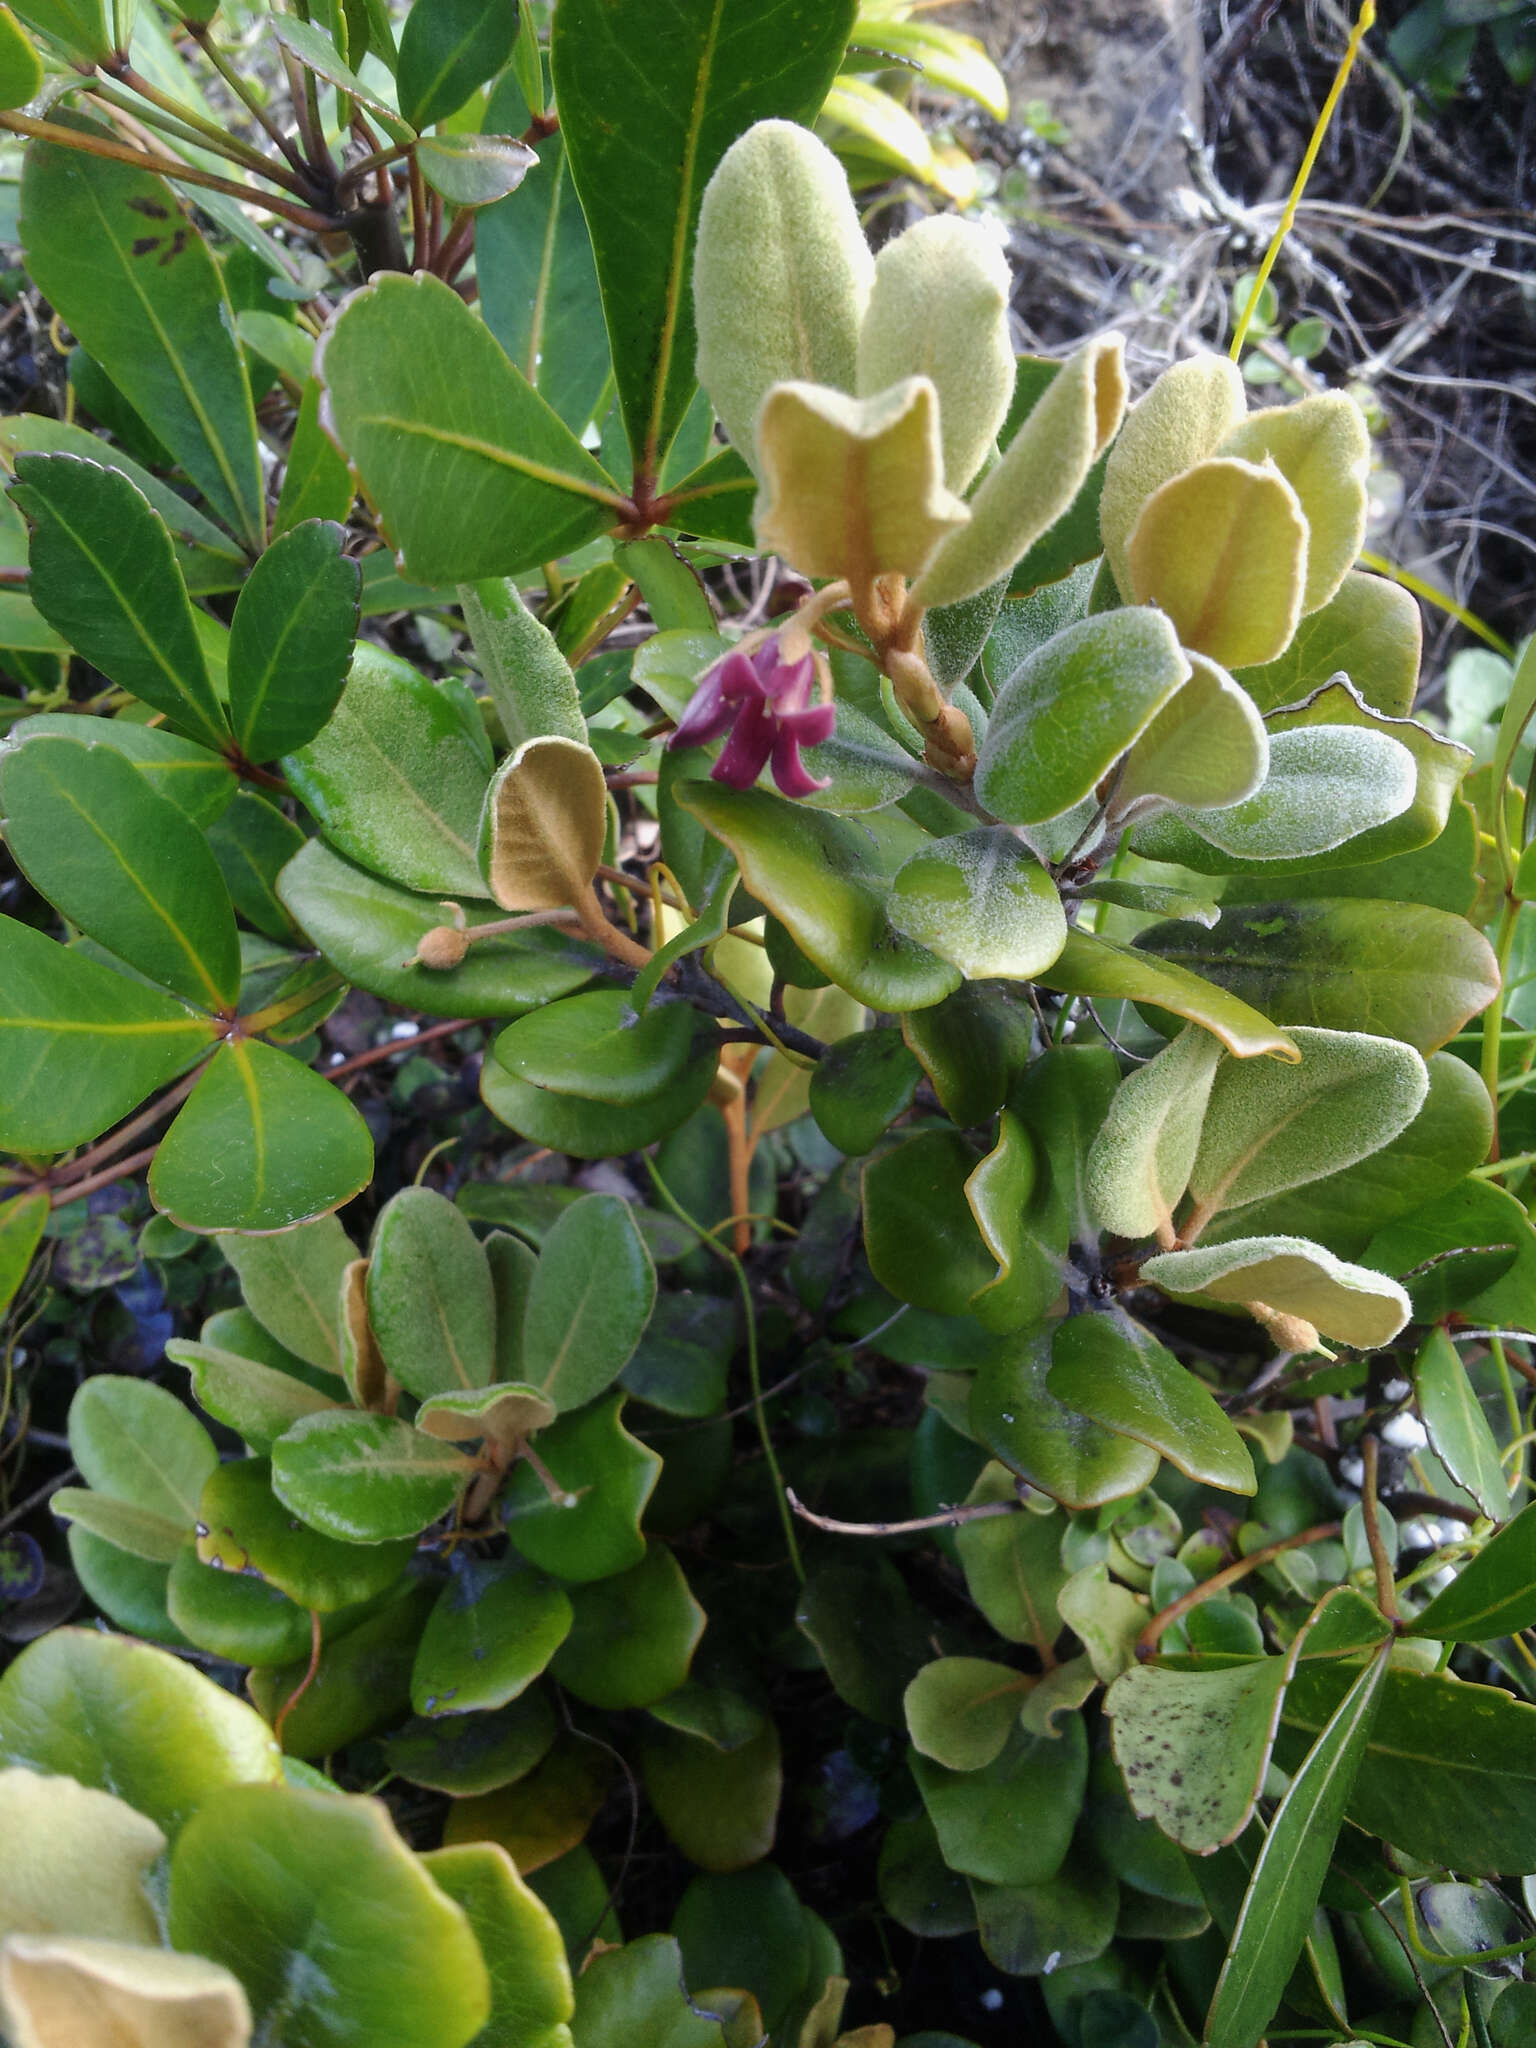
(1207,746)
(1292,1279)
(1222,549)
(1039,476)
(1139,1164)
(546,817)
(62,1993)
(939,309)
(75,1860)
(1323,450)
(853,486)
(1185,416)
(781,274)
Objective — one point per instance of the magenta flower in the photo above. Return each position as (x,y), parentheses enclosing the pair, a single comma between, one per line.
(765,704)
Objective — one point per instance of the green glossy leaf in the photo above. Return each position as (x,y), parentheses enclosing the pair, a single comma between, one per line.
(531,1996)
(199,783)
(1398,970)
(982,902)
(1493,1594)
(1458,1247)
(317,483)
(21,1229)
(719,1807)
(871,1637)
(493,1631)
(538,284)
(591,1130)
(369,929)
(1291,1866)
(973,1046)
(251,842)
(290,641)
(1023,1223)
(1069,711)
(1010,1821)
(633,1636)
(286,1887)
(122,863)
(637,1992)
(471,474)
(1193,1746)
(1269,1127)
(589,1302)
(209,553)
(135,1442)
(242,1619)
(543,1814)
(1110,1369)
(292,1286)
(961,1710)
(693,80)
(130,1590)
(747,1928)
(828,879)
(921,1893)
(1293,1277)
(80,1045)
(104,574)
(130,1720)
(680,1363)
(919,1230)
(21,69)
(1370,629)
(596,1046)
(261,1143)
(1459,1431)
(1140,1161)
(1012,1563)
(860,1086)
(605,1477)
(397,778)
(447,49)
(1091,966)
(245,1528)
(118,260)
(1071,1917)
(362,1683)
(366,1478)
(1075,1461)
(468,1754)
(430,1299)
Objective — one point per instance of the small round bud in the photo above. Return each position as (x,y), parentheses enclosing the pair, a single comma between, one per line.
(442,949)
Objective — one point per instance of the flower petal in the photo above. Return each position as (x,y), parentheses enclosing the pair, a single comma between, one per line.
(745,753)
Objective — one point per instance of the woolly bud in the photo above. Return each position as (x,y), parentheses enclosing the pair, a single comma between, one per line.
(939,309)
(781,274)
(442,949)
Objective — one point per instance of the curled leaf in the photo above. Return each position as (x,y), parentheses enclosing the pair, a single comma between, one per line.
(1185,417)
(545,820)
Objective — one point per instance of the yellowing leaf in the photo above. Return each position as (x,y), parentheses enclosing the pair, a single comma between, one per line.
(1207,747)
(546,817)
(1222,549)
(939,309)
(1185,416)
(1293,1278)
(1323,450)
(58,1993)
(853,486)
(1139,1164)
(1038,478)
(781,274)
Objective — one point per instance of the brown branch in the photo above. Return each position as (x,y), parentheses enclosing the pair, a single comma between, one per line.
(359,1060)
(77,1189)
(947,1518)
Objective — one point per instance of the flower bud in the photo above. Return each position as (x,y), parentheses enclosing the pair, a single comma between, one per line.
(442,949)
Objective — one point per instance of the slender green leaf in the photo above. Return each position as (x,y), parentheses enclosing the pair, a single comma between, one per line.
(1493,1594)
(589,1303)
(447,49)
(197,782)
(290,641)
(429,1295)
(1459,1431)
(317,483)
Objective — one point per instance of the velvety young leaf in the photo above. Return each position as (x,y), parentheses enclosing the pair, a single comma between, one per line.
(1493,1594)
(122,1717)
(526,676)
(115,255)
(366,1478)
(1326,784)
(430,1299)
(104,573)
(1071,710)
(1292,1864)
(503,1415)
(80,1045)
(53,1983)
(1110,1369)
(473,170)
(493,1630)
(590,1528)
(260,1144)
(1183,418)
(122,863)
(243,1527)
(693,80)
(1222,549)
(397,777)
(544,825)
(127,1528)
(1269,1127)
(284,1885)
(447,49)
(1322,447)
(79,1861)
(1207,748)
(1293,1277)
(292,1286)
(781,276)
(980,901)
(1140,1162)
(1398,970)
(136,1443)
(371,932)
(1193,1746)
(471,473)
(290,642)
(1459,1432)
(589,1301)
(1077,1462)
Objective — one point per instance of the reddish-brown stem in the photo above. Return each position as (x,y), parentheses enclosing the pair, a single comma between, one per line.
(305,1682)
(108,1147)
(457,244)
(420,252)
(1147,1641)
(1386,1589)
(80,1188)
(375,1053)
